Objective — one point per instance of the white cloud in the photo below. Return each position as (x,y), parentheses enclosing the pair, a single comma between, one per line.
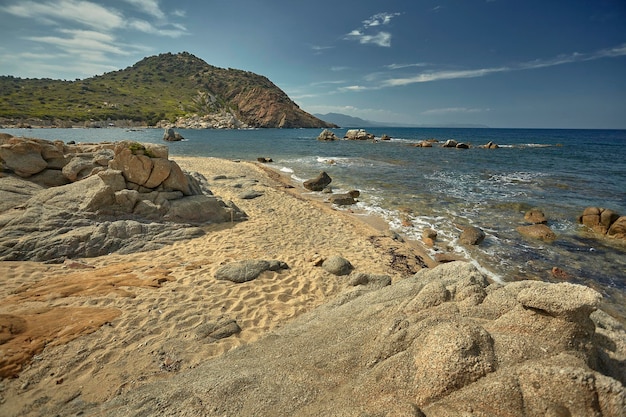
(400,66)
(82,12)
(365,36)
(481,72)
(150,7)
(353,88)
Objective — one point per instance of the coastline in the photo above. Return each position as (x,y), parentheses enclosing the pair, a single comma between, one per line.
(116,330)
(156,302)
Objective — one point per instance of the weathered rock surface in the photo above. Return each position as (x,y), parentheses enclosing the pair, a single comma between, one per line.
(244,271)
(358,134)
(345,199)
(472,235)
(450,143)
(537,231)
(444,342)
(318,183)
(327,135)
(604,222)
(112,197)
(535,216)
(337,265)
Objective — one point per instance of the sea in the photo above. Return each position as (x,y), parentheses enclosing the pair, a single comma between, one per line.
(558,171)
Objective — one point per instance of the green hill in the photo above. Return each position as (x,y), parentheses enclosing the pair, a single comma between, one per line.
(164,87)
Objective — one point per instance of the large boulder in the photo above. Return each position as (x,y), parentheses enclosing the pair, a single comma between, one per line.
(318,183)
(23,157)
(599,219)
(618,228)
(244,271)
(535,216)
(537,231)
(358,134)
(327,135)
(472,235)
(171,135)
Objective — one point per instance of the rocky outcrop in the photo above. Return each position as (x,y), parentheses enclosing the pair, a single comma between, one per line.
(450,143)
(170,135)
(358,134)
(327,135)
(535,216)
(318,183)
(445,342)
(604,222)
(121,196)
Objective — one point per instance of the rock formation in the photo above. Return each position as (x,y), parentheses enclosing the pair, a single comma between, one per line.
(604,222)
(63,201)
(318,183)
(327,135)
(445,342)
(170,135)
(358,134)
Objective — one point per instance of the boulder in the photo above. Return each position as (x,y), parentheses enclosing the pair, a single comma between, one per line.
(337,265)
(450,143)
(23,157)
(346,199)
(618,228)
(244,271)
(385,137)
(490,145)
(462,146)
(327,135)
(535,216)
(171,135)
(318,183)
(537,231)
(472,235)
(598,219)
(423,144)
(358,134)
(264,160)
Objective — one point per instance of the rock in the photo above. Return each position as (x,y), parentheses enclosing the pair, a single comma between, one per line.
(618,228)
(327,135)
(472,235)
(450,143)
(423,144)
(429,236)
(482,349)
(23,157)
(385,137)
(535,216)
(346,199)
(537,231)
(250,195)
(318,183)
(462,146)
(490,145)
(244,271)
(221,328)
(202,209)
(598,219)
(358,134)
(170,135)
(376,281)
(337,265)
(264,160)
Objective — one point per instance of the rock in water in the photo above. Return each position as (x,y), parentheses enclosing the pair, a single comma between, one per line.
(318,183)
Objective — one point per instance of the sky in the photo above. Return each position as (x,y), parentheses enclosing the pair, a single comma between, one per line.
(500,63)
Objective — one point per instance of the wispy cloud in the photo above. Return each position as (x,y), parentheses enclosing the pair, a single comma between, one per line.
(430,76)
(368,33)
(400,66)
(89,33)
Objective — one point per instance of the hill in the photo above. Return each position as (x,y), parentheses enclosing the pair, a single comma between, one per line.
(175,89)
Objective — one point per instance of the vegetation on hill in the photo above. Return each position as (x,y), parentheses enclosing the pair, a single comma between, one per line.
(163,87)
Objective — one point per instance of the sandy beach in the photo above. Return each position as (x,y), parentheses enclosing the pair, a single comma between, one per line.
(99,327)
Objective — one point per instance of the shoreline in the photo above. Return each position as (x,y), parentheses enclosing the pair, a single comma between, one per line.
(112,323)
(117,324)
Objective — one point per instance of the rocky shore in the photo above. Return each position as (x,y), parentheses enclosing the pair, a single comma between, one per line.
(300,310)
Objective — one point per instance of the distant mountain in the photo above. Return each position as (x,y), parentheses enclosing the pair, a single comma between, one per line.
(344,120)
(178,89)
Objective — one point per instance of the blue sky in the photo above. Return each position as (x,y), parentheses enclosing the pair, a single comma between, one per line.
(502,63)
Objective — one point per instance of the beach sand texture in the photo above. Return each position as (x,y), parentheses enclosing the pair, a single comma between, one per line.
(102,326)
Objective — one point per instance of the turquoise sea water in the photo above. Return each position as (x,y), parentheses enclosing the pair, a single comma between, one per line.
(558,171)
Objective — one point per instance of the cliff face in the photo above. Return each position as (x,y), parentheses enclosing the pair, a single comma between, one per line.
(168,89)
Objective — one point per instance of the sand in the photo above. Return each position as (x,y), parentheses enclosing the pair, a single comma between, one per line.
(97,327)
